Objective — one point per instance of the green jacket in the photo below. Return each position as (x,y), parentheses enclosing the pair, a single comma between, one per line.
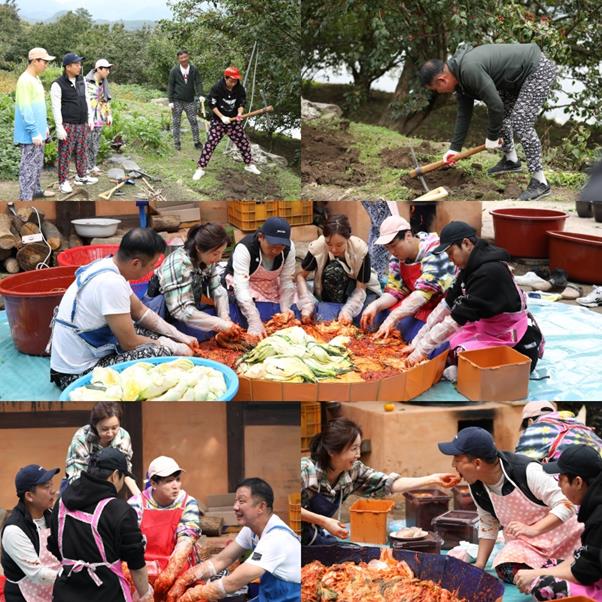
(482,73)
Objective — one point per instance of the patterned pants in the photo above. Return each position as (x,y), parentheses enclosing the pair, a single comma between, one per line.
(140,353)
(93,146)
(379,256)
(235,132)
(548,587)
(30,168)
(521,112)
(507,570)
(76,143)
(190,108)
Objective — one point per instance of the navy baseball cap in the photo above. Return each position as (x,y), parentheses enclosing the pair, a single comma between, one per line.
(581,460)
(110,458)
(472,441)
(453,232)
(71,57)
(277,231)
(31,475)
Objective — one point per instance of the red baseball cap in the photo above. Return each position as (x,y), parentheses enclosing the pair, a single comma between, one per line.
(232,72)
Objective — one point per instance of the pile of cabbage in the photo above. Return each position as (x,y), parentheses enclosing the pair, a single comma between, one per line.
(179,380)
(291,355)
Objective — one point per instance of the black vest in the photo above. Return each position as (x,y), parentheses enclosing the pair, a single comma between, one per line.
(21,518)
(515,466)
(74,107)
(251,241)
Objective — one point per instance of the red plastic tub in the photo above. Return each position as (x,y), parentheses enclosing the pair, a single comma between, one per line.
(78,256)
(579,254)
(523,232)
(30,299)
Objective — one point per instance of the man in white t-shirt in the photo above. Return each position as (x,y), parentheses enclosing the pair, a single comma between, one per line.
(275,551)
(101,322)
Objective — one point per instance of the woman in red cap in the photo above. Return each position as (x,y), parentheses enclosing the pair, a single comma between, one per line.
(227,102)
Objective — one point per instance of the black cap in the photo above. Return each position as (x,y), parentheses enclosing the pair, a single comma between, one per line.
(454,232)
(110,458)
(581,460)
(277,231)
(472,441)
(71,57)
(31,475)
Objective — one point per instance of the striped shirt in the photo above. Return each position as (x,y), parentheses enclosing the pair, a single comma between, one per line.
(360,479)
(438,272)
(85,443)
(190,522)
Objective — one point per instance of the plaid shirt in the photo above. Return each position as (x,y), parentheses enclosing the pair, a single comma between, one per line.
(360,479)
(190,522)
(85,444)
(175,278)
(438,272)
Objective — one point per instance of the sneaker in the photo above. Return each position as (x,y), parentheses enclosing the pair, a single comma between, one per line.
(95,171)
(198,174)
(88,180)
(534,281)
(177,146)
(65,187)
(451,374)
(594,299)
(45,194)
(504,166)
(198,145)
(252,169)
(535,190)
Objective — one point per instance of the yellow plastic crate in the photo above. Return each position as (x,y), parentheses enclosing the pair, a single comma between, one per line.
(294,512)
(311,422)
(250,215)
(298,213)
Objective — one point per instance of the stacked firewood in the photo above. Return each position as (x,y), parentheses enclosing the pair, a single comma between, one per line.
(17,251)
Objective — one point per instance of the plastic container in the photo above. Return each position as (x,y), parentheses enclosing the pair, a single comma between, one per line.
(456,526)
(229,375)
(250,215)
(369,520)
(431,544)
(96,227)
(78,256)
(597,211)
(462,498)
(584,208)
(580,255)
(294,512)
(30,299)
(493,374)
(311,422)
(297,213)
(423,505)
(522,232)
(576,599)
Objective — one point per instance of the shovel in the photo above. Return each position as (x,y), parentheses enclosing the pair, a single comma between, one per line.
(115,173)
(419,171)
(135,171)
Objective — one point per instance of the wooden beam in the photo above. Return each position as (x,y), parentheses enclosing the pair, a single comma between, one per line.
(44,419)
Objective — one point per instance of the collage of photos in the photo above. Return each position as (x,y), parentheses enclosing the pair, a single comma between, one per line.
(300,301)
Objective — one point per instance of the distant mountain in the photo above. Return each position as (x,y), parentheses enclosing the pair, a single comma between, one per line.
(129,24)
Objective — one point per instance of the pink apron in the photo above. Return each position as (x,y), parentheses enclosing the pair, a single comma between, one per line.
(80,565)
(40,592)
(559,543)
(265,284)
(507,328)
(593,591)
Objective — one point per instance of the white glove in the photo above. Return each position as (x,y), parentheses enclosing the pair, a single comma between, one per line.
(435,336)
(448,157)
(437,315)
(256,327)
(354,305)
(37,140)
(170,105)
(408,307)
(91,125)
(149,596)
(61,132)
(175,348)
(225,120)
(306,302)
(203,321)
(156,323)
(202,99)
(492,145)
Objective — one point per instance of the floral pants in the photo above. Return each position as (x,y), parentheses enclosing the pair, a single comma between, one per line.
(235,132)
(75,144)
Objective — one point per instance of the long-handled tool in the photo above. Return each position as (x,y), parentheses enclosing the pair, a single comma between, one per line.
(267,109)
(109,193)
(419,171)
(203,118)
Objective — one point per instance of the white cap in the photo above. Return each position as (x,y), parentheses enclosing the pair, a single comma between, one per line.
(39,53)
(102,63)
(537,408)
(390,228)
(163,467)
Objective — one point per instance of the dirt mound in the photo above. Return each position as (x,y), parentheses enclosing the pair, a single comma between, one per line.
(328,158)
(239,184)
(450,178)
(400,157)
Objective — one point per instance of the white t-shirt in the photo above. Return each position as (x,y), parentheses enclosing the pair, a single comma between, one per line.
(277,552)
(107,294)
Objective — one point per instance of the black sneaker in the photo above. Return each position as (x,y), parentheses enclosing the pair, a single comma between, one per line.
(198,145)
(178,147)
(504,166)
(535,190)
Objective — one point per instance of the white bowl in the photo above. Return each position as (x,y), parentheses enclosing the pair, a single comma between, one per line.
(96,227)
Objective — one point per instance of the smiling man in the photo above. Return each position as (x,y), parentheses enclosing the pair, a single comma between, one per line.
(275,551)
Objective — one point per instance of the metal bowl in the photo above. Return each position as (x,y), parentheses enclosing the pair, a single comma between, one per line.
(96,227)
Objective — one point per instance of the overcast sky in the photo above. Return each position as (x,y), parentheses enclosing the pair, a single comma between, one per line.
(111,10)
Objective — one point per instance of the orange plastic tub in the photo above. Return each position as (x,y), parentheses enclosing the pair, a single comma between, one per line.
(30,299)
(523,232)
(579,254)
(576,599)
(369,520)
(493,374)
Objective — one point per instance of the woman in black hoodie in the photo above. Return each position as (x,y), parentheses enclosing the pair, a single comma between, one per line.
(580,470)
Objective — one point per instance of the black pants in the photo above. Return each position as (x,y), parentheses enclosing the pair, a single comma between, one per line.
(529,344)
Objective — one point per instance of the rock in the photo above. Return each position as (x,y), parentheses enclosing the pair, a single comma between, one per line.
(160,101)
(314,110)
(260,156)
(118,159)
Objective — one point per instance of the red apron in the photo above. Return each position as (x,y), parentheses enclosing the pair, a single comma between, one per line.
(410,273)
(159,527)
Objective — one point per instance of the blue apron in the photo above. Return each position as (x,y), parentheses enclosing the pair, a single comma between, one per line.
(312,535)
(274,589)
(100,341)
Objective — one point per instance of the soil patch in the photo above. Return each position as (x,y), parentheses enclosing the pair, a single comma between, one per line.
(400,157)
(329,159)
(238,184)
